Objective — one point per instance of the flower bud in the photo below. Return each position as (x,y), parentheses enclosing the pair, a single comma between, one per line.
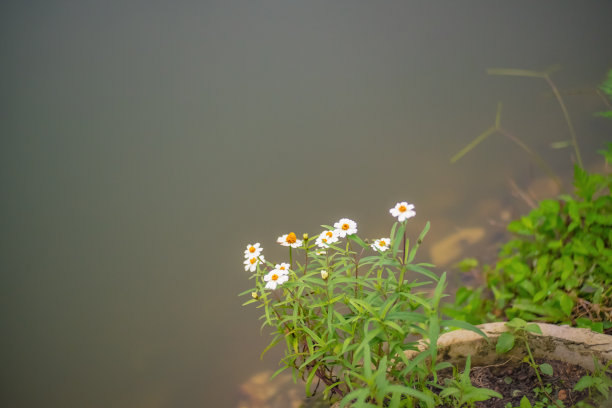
(254,295)
(305,237)
(324,274)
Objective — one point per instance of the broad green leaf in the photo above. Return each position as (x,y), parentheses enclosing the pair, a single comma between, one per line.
(505,343)
(525,403)
(533,328)
(546,369)
(584,382)
(517,323)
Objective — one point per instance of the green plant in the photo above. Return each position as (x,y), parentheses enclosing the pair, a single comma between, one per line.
(606,88)
(598,383)
(347,313)
(519,330)
(558,266)
(459,391)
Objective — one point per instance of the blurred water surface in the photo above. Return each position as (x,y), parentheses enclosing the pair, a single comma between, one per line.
(144,144)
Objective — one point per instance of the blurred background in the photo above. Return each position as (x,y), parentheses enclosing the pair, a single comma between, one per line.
(145,144)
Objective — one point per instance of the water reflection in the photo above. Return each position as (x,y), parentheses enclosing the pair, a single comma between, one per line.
(144,145)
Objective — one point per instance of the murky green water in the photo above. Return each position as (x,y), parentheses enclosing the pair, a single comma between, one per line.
(145,144)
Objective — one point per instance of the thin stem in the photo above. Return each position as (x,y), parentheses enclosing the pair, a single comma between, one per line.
(567,118)
(306,260)
(536,157)
(604,99)
(533,364)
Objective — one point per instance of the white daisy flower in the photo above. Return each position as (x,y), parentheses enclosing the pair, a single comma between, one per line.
(282,268)
(273,279)
(325,238)
(250,264)
(289,240)
(402,211)
(345,227)
(252,250)
(381,244)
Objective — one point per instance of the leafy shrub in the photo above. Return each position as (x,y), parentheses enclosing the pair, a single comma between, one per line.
(347,313)
(558,268)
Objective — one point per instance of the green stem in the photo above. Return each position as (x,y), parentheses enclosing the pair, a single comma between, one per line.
(533,364)
(306,260)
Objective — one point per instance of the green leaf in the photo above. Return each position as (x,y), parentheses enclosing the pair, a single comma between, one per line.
(277,372)
(546,369)
(438,291)
(567,304)
(428,400)
(310,378)
(273,343)
(358,240)
(505,342)
(584,382)
(527,286)
(449,391)
(533,328)
(525,402)
(517,323)
(418,243)
(608,153)
(423,271)
(359,394)
(397,239)
(463,325)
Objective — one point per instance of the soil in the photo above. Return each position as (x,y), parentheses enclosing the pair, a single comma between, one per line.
(514,381)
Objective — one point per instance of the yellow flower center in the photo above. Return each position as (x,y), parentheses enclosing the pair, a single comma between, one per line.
(291,238)
(252,249)
(274,277)
(253,260)
(282,268)
(402,208)
(329,234)
(345,226)
(324,239)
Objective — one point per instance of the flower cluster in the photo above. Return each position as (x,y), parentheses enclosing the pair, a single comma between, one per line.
(343,228)
(277,276)
(253,257)
(332,283)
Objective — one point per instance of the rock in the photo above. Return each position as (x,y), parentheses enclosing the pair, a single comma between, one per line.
(261,392)
(452,246)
